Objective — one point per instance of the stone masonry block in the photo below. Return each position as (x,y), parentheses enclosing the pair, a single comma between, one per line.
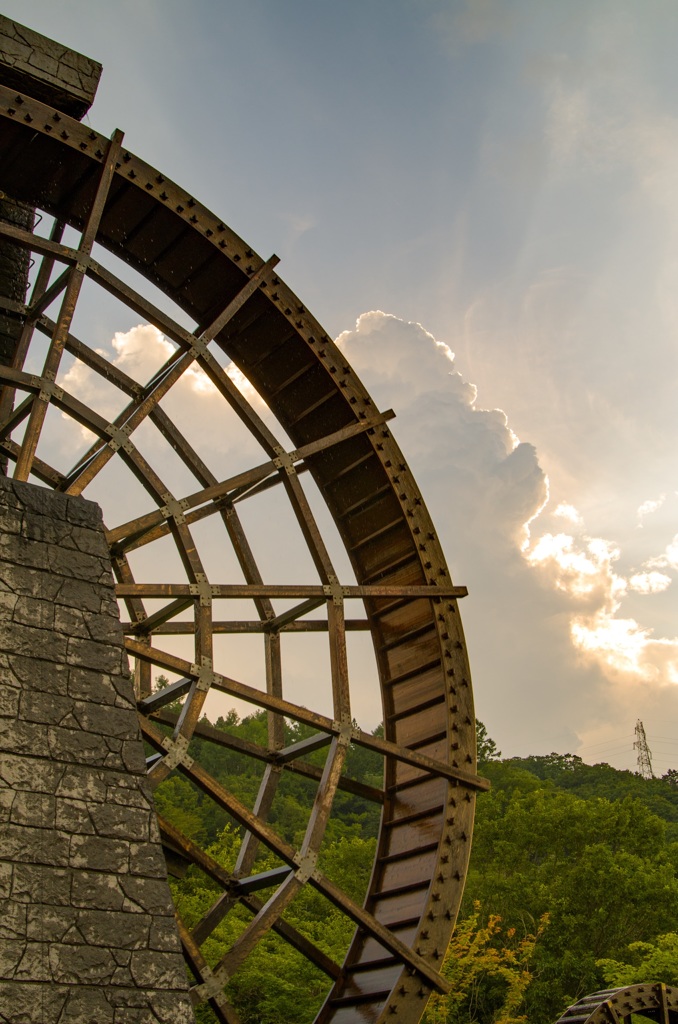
(77,746)
(98,656)
(120,822)
(80,965)
(38,643)
(85,1005)
(23,580)
(128,790)
(6,801)
(33,883)
(22,737)
(13,920)
(50,923)
(6,872)
(11,953)
(151,895)
(88,685)
(19,1002)
(97,889)
(133,757)
(157,969)
(74,816)
(27,845)
(79,594)
(29,611)
(147,860)
(118,930)
(34,964)
(35,809)
(170,1008)
(48,708)
(9,701)
(163,935)
(82,783)
(100,854)
(106,720)
(45,676)
(70,621)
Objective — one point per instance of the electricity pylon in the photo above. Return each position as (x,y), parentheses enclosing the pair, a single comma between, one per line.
(644,753)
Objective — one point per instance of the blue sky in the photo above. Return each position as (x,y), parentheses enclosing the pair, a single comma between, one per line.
(503,173)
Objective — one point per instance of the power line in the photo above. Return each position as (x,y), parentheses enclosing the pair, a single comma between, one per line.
(604,743)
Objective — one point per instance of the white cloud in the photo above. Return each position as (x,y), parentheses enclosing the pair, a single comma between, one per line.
(474,465)
(583,571)
(671,553)
(648,507)
(649,582)
(565,511)
(193,401)
(583,568)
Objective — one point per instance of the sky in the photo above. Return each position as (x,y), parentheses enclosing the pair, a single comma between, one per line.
(479,198)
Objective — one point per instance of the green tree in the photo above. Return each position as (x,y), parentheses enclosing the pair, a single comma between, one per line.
(486,748)
(489,969)
(648,961)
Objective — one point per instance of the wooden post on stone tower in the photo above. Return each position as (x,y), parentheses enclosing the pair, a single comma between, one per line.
(66,80)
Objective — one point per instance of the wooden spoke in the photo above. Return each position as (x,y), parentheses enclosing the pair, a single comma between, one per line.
(158,386)
(41,295)
(230,883)
(72,291)
(299,714)
(309,771)
(17,415)
(181,628)
(213,994)
(248,477)
(329,889)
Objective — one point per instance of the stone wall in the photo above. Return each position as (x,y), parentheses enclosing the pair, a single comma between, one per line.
(87,930)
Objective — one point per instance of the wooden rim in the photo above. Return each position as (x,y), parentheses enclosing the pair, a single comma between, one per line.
(241,307)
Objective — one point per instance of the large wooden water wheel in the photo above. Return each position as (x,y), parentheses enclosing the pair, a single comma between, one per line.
(109,223)
(622,1005)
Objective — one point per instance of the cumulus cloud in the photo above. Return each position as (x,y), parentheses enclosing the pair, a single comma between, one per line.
(473,463)
(565,511)
(584,568)
(649,582)
(193,402)
(489,498)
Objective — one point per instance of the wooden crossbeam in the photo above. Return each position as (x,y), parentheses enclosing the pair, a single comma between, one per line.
(284,590)
(322,723)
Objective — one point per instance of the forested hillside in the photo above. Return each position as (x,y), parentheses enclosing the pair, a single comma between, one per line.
(573,883)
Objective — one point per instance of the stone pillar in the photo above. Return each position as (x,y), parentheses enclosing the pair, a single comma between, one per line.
(87,929)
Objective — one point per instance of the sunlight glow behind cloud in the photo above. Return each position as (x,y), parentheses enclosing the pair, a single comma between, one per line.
(490,491)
